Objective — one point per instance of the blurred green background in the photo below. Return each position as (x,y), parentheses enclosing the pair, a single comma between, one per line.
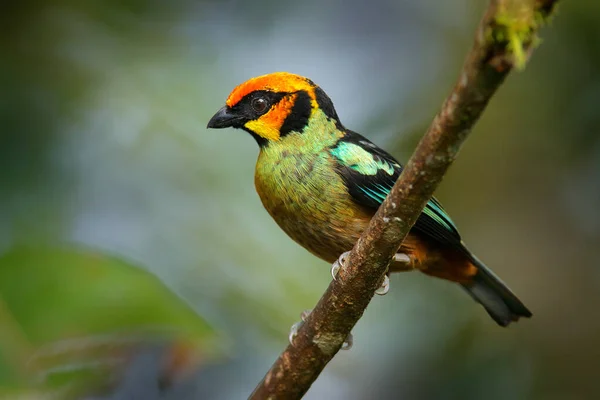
(121,215)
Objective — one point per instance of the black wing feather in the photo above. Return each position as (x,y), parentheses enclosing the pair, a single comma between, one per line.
(370,191)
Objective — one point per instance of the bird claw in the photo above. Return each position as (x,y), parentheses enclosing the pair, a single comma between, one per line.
(304,314)
(294,331)
(385,286)
(339,263)
(347,345)
(296,327)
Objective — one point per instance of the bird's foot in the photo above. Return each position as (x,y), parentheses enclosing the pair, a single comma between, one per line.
(402,258)
(339,263)
(347,345)
(385,286)
(296,327)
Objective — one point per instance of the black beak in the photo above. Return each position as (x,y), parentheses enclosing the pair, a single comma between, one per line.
(224,118)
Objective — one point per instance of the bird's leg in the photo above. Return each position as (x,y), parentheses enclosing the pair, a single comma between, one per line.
(296,327)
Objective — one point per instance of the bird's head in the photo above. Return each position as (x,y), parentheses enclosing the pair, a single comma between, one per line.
(272,106)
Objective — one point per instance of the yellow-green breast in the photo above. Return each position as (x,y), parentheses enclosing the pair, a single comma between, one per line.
(298,185)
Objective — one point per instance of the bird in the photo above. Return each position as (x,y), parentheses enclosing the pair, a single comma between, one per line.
(322,183)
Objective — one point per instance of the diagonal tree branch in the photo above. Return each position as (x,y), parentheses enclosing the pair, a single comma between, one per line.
(504,39)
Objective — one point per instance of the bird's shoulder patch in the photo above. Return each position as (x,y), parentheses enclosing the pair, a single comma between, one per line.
(357,157)
(369,173)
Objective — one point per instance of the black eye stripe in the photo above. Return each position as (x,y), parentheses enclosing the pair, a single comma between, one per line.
(245,105)
(299,115)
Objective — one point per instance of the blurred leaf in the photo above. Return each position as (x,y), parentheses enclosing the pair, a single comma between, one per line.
(74,315)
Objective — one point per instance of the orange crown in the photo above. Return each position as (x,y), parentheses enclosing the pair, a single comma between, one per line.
(275,82)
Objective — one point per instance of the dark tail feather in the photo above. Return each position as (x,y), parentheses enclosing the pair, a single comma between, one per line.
(493,294)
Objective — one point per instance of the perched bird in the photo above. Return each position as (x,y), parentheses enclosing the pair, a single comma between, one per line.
(322,183)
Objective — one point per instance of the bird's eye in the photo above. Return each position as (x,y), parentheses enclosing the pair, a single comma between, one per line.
(259,105)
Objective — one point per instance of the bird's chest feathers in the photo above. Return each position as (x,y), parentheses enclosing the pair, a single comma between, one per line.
(293,184)
(307,198)
(296,176)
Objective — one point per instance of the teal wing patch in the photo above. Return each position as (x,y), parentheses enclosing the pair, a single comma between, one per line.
(370,173)
(359,159)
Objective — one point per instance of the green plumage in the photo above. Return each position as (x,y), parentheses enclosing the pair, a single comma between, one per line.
(298,185)
(321,186)
(322,183)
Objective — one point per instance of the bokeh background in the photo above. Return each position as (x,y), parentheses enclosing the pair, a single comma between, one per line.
(136,259)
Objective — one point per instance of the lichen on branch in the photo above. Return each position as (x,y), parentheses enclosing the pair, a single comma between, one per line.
(515,27)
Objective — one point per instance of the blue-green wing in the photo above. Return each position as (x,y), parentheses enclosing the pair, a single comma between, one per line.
(370,173)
